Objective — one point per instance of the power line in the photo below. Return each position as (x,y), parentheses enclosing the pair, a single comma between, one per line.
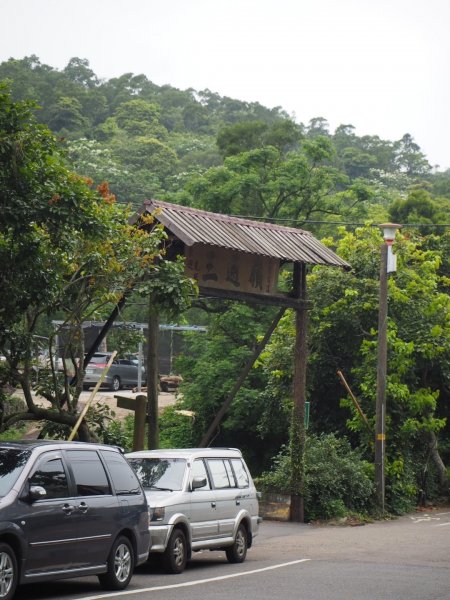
(309,221)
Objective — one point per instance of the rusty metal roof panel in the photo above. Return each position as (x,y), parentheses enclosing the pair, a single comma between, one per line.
(193,226)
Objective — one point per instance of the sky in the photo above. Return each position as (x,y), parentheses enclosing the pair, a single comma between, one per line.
(379,65)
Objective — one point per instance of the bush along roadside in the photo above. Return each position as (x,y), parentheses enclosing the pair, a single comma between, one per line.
(338,481)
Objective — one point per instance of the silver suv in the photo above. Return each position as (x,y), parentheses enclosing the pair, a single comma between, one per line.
(199,499)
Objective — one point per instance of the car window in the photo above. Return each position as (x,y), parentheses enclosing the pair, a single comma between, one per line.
(12,461)
(99,359)
(51,475)
(219,473)
(123,477)
(199,470)
(89,473)
(240,472)
(230,473)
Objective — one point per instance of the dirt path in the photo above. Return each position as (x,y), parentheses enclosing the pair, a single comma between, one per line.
(105,397)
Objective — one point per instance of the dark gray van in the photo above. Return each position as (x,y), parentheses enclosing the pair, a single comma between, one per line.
(69,509)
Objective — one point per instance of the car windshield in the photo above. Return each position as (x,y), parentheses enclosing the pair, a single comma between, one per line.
(12,461)
(159,473)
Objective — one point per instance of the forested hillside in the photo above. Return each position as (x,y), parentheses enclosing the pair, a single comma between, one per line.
(216,153)
(150,141)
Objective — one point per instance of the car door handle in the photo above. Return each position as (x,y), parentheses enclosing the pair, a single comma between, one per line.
(83,507)
(68,509)
(213,504)
(238,502)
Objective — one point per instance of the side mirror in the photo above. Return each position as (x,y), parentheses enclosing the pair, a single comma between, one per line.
(198,482)
(37,492)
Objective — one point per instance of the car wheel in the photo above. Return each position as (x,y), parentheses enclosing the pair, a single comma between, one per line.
(238,551)
(9,572)
(175,555)
(120,566)
(115,383)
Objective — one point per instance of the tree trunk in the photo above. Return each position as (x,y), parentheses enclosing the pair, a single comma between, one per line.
(439,464)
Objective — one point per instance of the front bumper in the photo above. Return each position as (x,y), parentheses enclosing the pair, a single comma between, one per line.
(159,535)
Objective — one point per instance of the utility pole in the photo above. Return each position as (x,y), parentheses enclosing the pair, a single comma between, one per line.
(297,433)
(387,265)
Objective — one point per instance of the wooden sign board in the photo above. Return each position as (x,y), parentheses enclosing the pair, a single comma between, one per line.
(230,270)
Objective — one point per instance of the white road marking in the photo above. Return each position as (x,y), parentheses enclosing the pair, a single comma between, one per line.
(191,583)
(441,524)
(425,518)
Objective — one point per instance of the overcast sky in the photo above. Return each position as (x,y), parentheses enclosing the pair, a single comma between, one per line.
(380,65)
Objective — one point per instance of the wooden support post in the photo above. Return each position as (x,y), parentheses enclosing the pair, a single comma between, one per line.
(297,434)
(139,422)
(152,376)
(139,406)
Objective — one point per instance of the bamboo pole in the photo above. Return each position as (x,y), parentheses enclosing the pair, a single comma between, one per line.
(91,397)
(355,402)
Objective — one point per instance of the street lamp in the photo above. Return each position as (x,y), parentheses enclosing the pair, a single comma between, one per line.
(388,265)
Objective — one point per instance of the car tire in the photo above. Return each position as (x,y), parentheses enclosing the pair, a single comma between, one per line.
(238,551)
(115,383)
(120,565)
(174,557)
(9,572)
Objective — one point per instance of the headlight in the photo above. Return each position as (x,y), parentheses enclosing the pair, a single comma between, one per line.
(158,513)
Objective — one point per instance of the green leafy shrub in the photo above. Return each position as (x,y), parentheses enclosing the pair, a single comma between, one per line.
(119,433)
(401,486)
(10,404)
(175,429)
(337,480)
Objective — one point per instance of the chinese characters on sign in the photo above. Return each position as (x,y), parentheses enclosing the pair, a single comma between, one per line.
(230,270)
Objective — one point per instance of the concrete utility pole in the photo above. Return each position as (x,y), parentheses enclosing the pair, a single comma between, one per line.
(388,265)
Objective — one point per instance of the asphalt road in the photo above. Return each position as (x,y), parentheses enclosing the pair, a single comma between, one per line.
(403,559)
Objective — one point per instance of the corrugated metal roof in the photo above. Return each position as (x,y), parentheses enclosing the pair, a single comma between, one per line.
(193,226)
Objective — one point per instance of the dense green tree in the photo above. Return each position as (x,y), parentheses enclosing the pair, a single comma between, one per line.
(79,71)
(64,249)
(409,158)
(66,114)
(441,183)
(285,135)
(140,118)
(241,137)
(318,126)
(263,183)
(419,207)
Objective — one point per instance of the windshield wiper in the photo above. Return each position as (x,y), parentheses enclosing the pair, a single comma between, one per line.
(161,489)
